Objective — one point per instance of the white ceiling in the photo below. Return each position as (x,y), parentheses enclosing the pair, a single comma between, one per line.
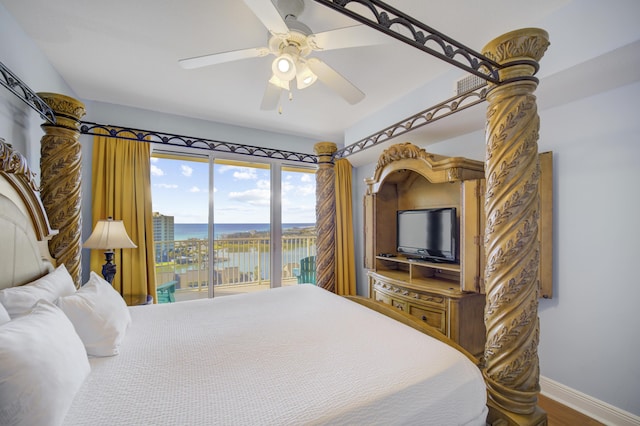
(125,52)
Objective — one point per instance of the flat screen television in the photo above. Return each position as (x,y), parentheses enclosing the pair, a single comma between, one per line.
(428,234)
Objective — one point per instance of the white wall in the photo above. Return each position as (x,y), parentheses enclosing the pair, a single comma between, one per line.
(19,124)
(590,330)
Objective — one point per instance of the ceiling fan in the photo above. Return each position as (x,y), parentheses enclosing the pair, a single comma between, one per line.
(292,42)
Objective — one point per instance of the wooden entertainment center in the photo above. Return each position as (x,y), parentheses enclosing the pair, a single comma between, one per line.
(447,296)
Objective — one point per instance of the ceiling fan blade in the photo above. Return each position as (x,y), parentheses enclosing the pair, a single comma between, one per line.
(341,38)
(335,81)
(271,97)
(219,58)
(267,13)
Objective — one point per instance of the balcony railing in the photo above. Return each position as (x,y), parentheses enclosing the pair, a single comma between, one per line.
(239,263)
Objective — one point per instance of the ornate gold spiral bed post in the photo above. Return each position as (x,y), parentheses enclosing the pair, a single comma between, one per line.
(325,216)
(512,247)
(60,170)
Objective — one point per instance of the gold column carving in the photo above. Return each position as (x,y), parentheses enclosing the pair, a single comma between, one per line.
(60,175)
(325,216)
(512,211)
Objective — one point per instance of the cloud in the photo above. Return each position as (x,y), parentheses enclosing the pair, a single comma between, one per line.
(287,186)
(245,174)
(240,173)
(166,185)
(306,189)
(156,171)
(186,170)
(194,189)
(256,197)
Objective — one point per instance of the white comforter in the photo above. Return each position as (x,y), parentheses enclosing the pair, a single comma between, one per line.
(288,356)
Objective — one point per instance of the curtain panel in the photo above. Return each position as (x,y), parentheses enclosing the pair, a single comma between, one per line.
(345,253)
(121,188)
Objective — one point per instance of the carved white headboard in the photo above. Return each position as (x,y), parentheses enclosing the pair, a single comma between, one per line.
(24,227)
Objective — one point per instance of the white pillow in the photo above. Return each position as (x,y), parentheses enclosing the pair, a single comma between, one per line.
(20,300)
(42,366)
(99,314)
(4,315)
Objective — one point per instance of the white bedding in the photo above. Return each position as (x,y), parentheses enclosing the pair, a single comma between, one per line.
(288,356)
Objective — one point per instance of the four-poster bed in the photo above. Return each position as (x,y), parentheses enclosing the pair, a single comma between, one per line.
(282,356)
(509,362)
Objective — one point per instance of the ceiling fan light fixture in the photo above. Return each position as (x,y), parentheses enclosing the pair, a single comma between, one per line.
(284,64)
(305,77)
(284,67)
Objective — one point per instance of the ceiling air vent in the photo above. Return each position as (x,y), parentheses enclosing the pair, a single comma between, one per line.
(469,83)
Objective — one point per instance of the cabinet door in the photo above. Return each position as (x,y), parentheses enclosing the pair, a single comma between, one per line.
(471,236)
(545,225)
(369,231)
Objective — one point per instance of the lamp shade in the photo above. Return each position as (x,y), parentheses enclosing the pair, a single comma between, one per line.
(109,234)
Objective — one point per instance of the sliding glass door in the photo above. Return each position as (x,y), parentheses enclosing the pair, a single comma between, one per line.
(241,226)
(180,197)
(226,226)
(298,196)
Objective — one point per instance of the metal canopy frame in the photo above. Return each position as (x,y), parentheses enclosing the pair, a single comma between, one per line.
(25,94)
(436,112)
(390,20)
(150,136)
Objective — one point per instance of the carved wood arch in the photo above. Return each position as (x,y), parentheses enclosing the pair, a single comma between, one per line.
(435,168)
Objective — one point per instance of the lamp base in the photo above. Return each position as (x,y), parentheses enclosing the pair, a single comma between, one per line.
(109,268)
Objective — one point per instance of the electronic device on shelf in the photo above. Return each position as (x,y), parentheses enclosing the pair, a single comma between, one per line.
(428,234)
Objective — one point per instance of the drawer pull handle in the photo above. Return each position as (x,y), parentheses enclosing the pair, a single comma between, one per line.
(424,318)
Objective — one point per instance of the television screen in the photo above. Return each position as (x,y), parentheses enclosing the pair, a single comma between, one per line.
(428,234)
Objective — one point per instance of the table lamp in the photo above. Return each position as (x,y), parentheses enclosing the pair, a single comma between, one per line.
(109,234)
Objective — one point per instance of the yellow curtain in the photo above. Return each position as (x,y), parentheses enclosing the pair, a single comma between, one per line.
(345,256)
(121,188)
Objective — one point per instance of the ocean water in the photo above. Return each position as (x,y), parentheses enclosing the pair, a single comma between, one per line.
(185,231)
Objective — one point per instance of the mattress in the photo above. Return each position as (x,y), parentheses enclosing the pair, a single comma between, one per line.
(286,356)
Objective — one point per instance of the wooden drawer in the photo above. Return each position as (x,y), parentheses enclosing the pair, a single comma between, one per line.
(384,298)
(381,297)
(434,300)
(399,292)
(434,317)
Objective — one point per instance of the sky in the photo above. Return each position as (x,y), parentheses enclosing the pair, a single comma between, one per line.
(241,194)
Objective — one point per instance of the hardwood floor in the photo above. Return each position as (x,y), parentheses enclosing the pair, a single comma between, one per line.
(561,415)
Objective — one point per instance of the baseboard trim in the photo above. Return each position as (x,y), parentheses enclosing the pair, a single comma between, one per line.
(587,405)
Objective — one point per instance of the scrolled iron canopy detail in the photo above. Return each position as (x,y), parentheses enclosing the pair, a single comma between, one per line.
(138,135)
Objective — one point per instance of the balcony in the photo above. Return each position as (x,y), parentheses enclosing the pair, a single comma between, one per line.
(240,265)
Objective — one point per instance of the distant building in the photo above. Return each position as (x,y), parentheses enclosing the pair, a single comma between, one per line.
(163,235)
